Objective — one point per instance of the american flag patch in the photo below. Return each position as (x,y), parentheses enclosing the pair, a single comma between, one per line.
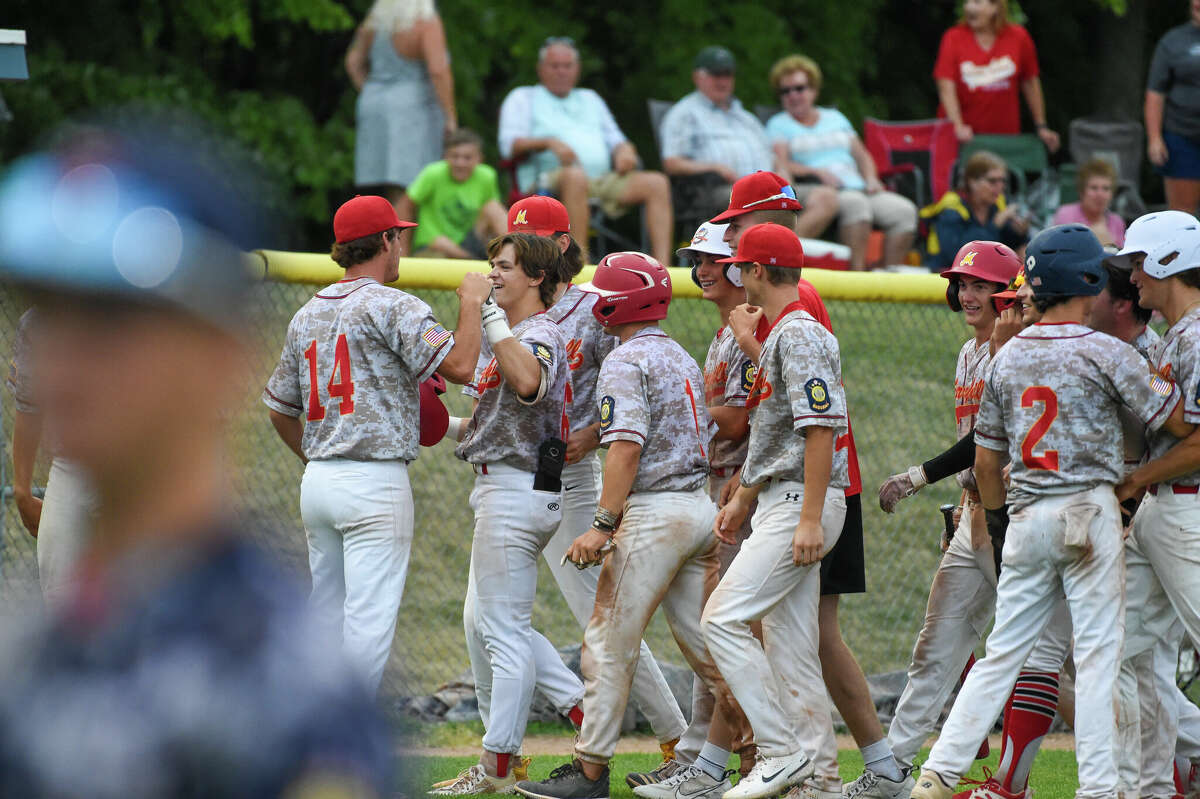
(1161,385)
(436,336)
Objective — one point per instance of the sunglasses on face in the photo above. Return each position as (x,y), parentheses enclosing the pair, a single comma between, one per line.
(993,181)
(784,91)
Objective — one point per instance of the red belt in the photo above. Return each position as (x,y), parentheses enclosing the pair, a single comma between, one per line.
(480,468)
(722,471)
(1176,489)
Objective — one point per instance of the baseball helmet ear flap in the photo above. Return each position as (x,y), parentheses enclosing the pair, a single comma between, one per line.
(695,277)
(734,275)
(952,295)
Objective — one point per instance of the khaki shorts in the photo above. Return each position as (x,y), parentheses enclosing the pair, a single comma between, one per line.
(607,188)
(890,212)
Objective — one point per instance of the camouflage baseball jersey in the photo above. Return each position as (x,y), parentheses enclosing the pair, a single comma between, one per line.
(354,356)
(1177,356)
(973,360)
(798,385)
(485,357)
(587,346)
(20,368)
(1050,401)
(652,393)
(505,430)
(728,376)
(1145,341)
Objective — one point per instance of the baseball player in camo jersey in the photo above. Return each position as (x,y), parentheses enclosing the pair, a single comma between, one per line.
(344,398)
(1051,401)
(1163,252)
(653,522)
(515,443)
(587,345)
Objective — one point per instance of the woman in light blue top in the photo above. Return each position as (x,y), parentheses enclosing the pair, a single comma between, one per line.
(819,146)
(399,63)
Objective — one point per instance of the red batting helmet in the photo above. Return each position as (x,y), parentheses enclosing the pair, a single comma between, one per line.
(983,260)
(632,287)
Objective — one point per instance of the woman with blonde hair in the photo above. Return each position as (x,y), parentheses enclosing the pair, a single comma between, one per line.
(975,210)
(399,63)
(1096,183)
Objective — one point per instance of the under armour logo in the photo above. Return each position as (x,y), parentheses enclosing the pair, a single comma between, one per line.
(792,496)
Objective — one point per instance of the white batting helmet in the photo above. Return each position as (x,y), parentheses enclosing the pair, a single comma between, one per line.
(1170,240)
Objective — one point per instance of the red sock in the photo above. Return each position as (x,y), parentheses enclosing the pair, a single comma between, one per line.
(1183,768)
(502,764)
(1027,719)
(575,714)
(984,748)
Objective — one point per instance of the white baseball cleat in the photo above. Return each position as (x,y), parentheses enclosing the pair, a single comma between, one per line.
(875,786)
(771,776)
(687,782)
(474,782)
(931,785)
(806,790)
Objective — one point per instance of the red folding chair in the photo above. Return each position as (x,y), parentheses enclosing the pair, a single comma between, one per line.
(925,149)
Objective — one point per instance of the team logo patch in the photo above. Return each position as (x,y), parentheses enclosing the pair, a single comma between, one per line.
(520,220)
(543,354)
(436,336)
(748,371)
(1163,386)
(606,412)
(968,259)
(818,394)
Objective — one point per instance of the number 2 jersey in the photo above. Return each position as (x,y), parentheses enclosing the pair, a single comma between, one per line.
(351,366)
(1051,399)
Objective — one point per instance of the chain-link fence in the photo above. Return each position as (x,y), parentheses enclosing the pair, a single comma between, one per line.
(898,362)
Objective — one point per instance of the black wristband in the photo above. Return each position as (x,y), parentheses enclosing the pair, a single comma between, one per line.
(958,457)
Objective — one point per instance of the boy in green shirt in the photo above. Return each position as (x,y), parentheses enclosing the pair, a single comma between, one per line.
(456,202)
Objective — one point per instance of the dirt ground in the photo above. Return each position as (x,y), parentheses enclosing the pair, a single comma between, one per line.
(561,745)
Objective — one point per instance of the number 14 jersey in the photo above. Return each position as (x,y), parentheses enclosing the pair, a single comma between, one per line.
(354,357)
(1050,400)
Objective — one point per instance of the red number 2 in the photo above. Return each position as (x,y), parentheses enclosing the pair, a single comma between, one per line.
(1048,460)
(695,415)
(341,384)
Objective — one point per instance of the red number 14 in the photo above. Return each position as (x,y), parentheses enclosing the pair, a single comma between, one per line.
(341,384)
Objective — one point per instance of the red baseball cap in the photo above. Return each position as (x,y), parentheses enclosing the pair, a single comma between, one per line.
(770,245)
(539,215)
(760,191)
(365,215)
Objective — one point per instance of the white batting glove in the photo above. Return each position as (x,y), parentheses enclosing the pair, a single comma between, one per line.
(495,323)
(899,486)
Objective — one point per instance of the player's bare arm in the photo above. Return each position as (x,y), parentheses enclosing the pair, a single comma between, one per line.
(459,364)
(27,436)
(582,441)
(989,477)
(519,368)
(1179,460)
(809,539)
(290,430)
(743,321)
(620,467)
(730,488)
(732,514)
(733,421)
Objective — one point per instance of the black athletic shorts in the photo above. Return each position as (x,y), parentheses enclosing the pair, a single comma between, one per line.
(843,570)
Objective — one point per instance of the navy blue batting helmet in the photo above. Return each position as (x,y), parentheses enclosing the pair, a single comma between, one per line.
(1065,261)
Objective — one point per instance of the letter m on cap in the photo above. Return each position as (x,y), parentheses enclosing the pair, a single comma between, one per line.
(520,220)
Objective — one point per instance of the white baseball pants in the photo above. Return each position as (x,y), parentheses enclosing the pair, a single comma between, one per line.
(512,524)
(581,493)
(67,508)
(662,552)
(763,583)
(358,517)
(1038,565)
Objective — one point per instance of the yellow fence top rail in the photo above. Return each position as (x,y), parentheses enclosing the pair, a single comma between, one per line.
(434,273)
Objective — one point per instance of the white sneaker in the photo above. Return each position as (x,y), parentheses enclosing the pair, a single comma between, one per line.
(687,782)
(475,781)
(931,785)
(807,790)
(875,786)
(771,776)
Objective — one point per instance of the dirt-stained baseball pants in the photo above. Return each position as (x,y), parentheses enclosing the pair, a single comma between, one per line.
(581,493)
(358,517)
(67,508)
(1039,565)
(662,552)
(764,584)
(513,522)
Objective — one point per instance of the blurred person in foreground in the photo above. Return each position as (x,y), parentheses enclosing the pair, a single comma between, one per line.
(182,663)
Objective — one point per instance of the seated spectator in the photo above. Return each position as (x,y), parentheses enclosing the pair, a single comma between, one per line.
(709,131)
(1096,182)
(976,211)
(819,145)
(455,202)
(576,151)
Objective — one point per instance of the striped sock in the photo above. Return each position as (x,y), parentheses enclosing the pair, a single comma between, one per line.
(1027,719)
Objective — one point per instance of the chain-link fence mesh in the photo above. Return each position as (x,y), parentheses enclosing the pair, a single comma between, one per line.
(898,362)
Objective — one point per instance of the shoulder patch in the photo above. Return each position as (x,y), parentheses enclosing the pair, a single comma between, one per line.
(436,336)
(748,372)
(543,354)
(606,412)
(1163,386)
(818,394)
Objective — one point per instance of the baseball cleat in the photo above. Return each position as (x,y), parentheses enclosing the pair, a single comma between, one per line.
(474,782)
(931,785)
(688,782)
(875,786)
(807,790)
(773,775)
(658,774)
(566,782)
(992,789)
(519,772)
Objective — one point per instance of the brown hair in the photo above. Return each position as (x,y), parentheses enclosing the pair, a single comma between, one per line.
(1189,277)
(1120,287)
(463,136)
(1001,15)
(572,258)
(795,63)
(537,256)
(359,251)
(1096,168)
(777,216)
(979,165)
(781,275)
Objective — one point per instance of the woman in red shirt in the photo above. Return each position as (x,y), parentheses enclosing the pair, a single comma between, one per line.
(981,64)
